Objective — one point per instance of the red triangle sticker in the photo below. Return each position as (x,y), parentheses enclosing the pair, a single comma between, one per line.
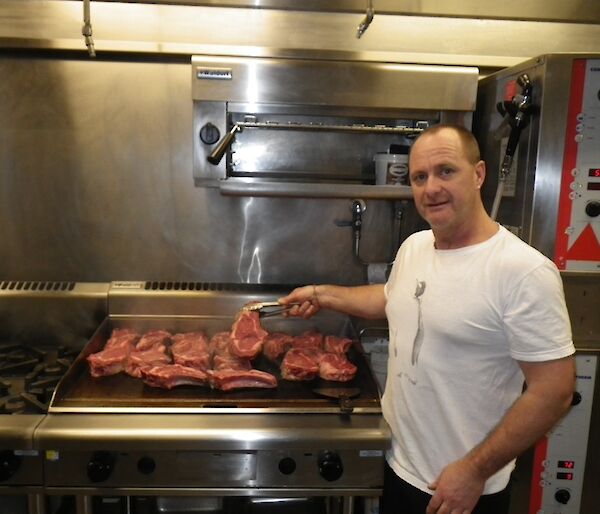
(586,247)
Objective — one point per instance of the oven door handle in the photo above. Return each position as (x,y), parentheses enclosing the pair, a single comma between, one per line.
(217,154)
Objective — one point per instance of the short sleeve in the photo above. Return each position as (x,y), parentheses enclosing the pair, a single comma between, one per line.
(536,319)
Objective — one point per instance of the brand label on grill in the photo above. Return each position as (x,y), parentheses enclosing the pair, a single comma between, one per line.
(214,73)
(370,453)
(27,453)
(128,285)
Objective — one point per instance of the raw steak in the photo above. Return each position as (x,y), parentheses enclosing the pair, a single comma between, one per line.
(152,339)
(227,380)
(191,350)
(115,355)
(138,360)
(334,366)
(227,362)
(276,344)
(247,336)
(219,343)
(299,364)
(334,344)
(309,340)
(172,375)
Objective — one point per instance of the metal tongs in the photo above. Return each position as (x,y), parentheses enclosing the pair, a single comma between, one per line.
(267,309)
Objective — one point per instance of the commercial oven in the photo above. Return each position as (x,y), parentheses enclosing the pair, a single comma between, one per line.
(538,125)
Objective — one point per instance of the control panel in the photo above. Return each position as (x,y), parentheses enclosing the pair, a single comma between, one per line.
(578,228)
(559,460)
(289,468)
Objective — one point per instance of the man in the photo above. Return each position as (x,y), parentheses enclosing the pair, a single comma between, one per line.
(472,311)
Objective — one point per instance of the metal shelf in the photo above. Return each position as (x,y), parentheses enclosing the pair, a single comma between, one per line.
(236,187)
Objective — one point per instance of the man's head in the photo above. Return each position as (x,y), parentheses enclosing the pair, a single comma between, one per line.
(446,173)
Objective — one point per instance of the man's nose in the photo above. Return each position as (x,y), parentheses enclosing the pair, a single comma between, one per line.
(432,185)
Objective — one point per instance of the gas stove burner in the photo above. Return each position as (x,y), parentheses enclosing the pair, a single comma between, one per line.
(29,375)
(23,403)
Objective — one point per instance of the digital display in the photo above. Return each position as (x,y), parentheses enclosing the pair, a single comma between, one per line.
(564,475)
(567,464)
(593,186)
(594,172)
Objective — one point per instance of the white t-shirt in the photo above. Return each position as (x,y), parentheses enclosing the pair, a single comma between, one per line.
(482,308)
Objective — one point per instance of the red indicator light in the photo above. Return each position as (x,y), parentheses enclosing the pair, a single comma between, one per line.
(562,475)
(567,464)
(594,172)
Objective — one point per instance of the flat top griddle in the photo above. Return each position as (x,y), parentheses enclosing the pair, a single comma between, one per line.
(78,391)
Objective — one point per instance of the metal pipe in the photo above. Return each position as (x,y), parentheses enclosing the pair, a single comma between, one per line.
(86,30)
(366,21)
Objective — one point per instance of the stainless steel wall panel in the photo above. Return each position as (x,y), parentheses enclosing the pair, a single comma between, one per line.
(97,185)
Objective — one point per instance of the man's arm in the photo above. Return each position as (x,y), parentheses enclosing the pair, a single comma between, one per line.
(362,301)
(547,398)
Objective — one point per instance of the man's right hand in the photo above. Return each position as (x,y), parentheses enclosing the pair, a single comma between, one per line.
(307,299)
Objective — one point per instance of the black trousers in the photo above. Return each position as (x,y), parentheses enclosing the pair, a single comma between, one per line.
(400,497)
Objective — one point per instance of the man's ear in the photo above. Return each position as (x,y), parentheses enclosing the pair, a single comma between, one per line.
(480,173)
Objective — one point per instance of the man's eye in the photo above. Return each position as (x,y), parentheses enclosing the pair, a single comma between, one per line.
(418,178)
(447,171)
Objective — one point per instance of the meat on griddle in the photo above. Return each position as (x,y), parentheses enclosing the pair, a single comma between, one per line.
(114,357)
(336,367)
(225,361)
(229,379)
(247,335)
(150,350)
(191,349)
(168,376)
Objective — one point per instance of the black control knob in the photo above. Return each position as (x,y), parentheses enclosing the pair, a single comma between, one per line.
(100,466)
(287,465)
(576,400)
(592,209)
(330,465)
(9,464)
(146,465)
(562,496)
(209,134)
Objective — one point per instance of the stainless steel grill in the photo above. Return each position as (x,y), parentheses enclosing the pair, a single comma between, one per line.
(115,437)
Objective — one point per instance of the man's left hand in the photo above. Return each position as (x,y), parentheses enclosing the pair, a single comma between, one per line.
(456,490)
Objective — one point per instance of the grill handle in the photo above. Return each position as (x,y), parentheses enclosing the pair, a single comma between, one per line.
(217,154)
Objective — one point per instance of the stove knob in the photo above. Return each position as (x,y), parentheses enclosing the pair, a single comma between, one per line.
(9,464)
(100,466)
(330,466)
(562,496)
(209,134)
(287,465)
(146,465)
(592,209)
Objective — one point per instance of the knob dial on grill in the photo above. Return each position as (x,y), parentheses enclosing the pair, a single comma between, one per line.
(9,464)
(146,465)
(562,496)
(330,466)
(100,466)
(287,465)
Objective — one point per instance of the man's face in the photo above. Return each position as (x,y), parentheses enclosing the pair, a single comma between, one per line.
(444,183)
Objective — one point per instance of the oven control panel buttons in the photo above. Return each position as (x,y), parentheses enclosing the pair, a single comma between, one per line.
(287,465)
(330,466)
(146,465)
(100,466)
(9,464)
